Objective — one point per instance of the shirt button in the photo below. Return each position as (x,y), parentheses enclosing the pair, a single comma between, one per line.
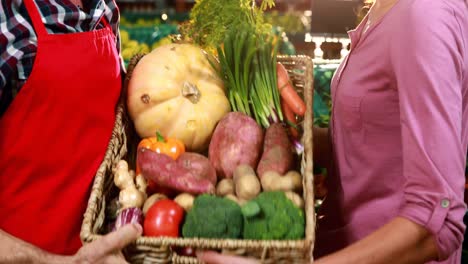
(445,203)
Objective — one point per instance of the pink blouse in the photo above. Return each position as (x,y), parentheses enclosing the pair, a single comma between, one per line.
(400,128)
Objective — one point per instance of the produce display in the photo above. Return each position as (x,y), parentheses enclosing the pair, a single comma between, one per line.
(143,34)
(131,47)
(220,149)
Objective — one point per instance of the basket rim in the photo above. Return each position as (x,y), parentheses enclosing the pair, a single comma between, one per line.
(217,243)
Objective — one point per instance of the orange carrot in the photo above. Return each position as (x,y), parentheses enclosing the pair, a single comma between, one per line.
(290,118)
(288,93)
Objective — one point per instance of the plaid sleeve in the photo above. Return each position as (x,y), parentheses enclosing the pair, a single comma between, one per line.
(15,39)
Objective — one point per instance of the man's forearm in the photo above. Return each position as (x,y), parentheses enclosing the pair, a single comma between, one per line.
(398,242)
(322,147)
(14,250)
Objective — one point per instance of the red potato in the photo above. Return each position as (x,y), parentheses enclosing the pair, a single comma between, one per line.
(277,151)
(237,140)
(191,172)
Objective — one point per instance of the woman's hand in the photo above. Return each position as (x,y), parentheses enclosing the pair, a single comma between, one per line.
(108,249)
(210,257)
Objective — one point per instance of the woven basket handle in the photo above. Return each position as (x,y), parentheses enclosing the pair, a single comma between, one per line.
(131,65)
(132,136)
(176,259)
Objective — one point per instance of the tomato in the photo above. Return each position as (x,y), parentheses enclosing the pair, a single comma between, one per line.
(163,219)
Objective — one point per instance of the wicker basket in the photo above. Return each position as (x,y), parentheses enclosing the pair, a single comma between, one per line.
(158,250)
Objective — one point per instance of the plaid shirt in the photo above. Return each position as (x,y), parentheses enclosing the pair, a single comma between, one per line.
(18,40)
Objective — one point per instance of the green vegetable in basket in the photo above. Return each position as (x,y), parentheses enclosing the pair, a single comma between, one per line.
(277,219)
(213,217)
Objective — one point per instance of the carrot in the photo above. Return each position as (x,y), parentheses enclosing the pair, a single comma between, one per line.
(290,118)
(290,96)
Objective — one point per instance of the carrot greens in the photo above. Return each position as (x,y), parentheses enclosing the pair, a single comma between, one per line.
(211,19)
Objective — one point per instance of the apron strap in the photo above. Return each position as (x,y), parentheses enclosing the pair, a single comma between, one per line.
(36,18)
(105,22)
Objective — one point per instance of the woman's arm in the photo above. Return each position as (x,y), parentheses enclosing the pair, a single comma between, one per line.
(429,61)
(399,242)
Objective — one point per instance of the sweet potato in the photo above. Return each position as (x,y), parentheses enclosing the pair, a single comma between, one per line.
(277,151)
(199,165)
(191,172)
(237,140)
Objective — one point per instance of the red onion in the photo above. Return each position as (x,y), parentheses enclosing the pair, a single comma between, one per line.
(127,216)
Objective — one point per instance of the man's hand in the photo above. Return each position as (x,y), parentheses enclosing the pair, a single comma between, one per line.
(210,257)
(108,249)
(104,250)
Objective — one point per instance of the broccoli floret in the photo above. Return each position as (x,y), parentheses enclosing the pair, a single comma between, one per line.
(278,218)
(213,217)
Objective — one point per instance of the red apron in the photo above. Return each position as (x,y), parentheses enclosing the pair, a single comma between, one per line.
(54,135)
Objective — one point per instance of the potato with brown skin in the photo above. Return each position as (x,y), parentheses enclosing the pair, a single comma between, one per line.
(237,139)
(277,151)
(185,200)
(246,182)
(191,173)
(225,187)
(151,200)
(295,198)
(273,181)
(235,199)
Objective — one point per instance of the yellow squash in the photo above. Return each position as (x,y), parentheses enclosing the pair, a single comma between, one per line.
(175,90)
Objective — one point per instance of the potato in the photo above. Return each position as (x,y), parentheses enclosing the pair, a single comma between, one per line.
(191,173)
(246,182)
(291,181)
(151,200)
(295,198)
(237,139)
(277,151)
(225,187)
(185,200)
(232,197)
